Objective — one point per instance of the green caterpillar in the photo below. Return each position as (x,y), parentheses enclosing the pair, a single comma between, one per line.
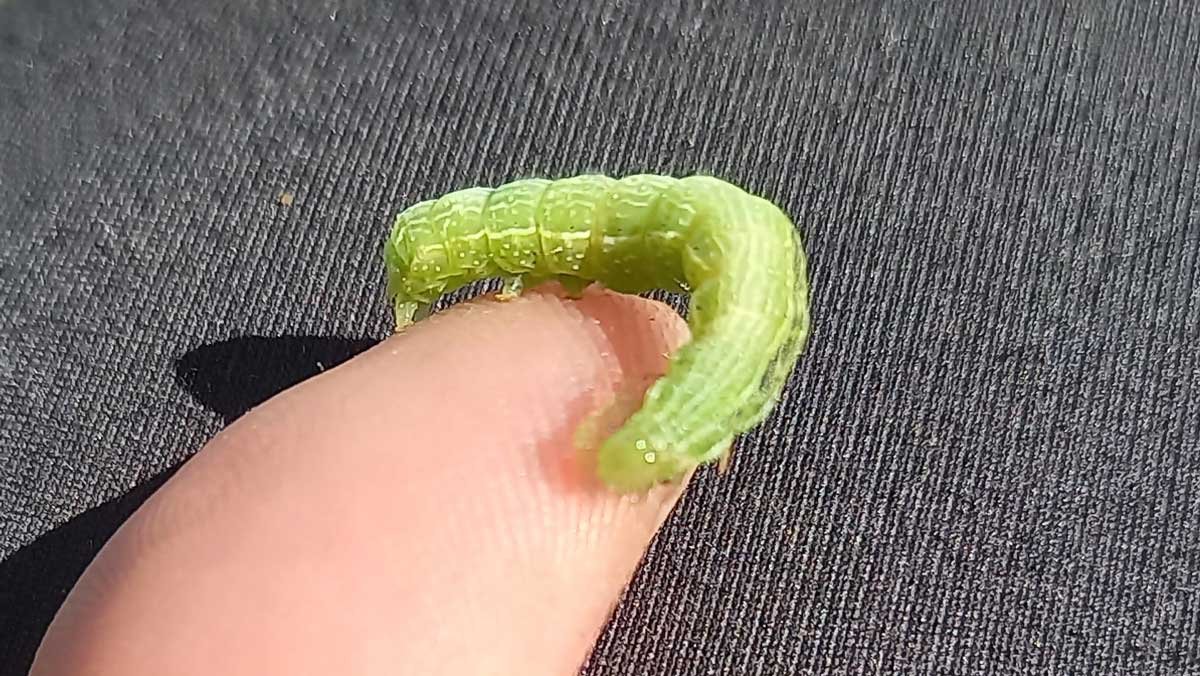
(738,255)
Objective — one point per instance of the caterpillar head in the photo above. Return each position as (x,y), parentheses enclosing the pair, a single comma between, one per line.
(632,461)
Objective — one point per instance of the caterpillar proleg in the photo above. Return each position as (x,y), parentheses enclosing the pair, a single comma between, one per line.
(738,255)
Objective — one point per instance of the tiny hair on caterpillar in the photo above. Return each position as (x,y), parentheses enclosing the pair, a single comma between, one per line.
(739,256)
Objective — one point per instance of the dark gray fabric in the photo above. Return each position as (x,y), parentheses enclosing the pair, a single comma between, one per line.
(988,462)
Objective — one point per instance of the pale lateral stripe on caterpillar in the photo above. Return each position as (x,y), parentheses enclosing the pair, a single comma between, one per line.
(738,255)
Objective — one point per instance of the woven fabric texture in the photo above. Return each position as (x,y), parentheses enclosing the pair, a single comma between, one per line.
(987,463)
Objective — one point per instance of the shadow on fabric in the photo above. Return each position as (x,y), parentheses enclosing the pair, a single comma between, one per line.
(232,376)
(229,378)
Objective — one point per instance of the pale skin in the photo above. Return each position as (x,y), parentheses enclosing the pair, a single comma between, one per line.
(420,509)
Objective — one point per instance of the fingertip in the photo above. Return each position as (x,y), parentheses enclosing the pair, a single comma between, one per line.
(424,505)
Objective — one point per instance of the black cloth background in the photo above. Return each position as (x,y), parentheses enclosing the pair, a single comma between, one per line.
(989,460)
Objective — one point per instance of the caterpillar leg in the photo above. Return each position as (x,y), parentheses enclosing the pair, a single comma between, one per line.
(513,286)
(408,313)
(721,453)
(725,460)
